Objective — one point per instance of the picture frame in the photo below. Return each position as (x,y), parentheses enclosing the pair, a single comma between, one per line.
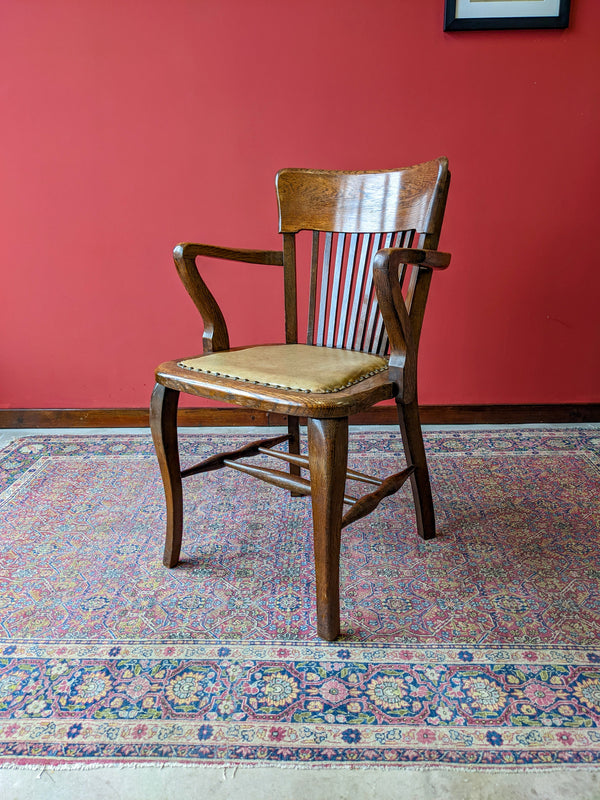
(478,15)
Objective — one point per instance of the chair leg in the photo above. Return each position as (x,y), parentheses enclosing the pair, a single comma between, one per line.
(294,447)
(412,436)
(328,456)
(163,423)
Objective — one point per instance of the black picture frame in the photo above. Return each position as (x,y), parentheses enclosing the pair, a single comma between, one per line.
(454,23)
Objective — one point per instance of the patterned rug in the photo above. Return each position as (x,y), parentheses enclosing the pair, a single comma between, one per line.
(478,649)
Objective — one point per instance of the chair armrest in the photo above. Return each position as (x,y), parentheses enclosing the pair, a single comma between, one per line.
(403,325)
(433,259)
(192,250)
(215,335)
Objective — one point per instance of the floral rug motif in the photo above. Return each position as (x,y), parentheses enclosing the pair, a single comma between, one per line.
(479,648)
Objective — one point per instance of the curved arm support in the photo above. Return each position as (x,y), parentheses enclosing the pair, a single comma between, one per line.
(215,335)
(403,325)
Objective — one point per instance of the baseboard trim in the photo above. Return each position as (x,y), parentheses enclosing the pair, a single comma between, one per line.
(234,417)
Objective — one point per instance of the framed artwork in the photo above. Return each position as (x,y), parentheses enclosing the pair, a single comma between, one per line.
(477,15)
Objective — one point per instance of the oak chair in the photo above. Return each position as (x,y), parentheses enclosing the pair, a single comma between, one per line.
(374,247)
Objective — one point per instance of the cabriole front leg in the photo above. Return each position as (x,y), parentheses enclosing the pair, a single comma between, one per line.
(328,456)
(163,424)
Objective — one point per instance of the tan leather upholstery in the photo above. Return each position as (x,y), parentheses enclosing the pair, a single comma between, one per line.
(299,367)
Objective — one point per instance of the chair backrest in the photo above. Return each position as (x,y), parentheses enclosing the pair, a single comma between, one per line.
(352,216)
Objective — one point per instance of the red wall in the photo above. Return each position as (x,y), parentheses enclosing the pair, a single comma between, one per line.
(129,126)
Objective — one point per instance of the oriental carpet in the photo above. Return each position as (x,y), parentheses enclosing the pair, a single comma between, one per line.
(477,649)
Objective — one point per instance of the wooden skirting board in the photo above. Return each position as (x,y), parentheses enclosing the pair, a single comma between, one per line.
(234,417)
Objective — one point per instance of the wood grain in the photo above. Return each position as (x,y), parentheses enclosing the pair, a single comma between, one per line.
(359,202)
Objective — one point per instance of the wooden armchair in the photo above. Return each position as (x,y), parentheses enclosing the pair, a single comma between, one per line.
(375,236)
